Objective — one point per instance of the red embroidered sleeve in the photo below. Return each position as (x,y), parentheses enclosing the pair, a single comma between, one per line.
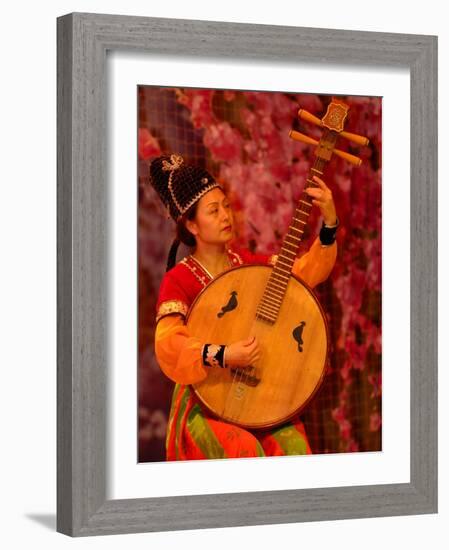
(172,298)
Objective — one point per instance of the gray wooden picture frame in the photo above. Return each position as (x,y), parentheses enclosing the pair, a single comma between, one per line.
(83,41)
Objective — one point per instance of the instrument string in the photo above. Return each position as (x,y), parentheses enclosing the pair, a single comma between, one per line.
(318,167)
(238,375)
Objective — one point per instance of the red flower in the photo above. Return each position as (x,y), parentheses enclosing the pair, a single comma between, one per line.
(148,145)
(199,102)
(375,422)
(223,141)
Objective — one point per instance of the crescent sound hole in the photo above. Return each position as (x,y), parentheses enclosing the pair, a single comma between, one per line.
(231,305)
(297,334)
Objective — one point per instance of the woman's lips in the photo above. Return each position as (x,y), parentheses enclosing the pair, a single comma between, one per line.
(227,228)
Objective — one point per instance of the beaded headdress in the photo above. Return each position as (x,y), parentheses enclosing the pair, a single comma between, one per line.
(178,184)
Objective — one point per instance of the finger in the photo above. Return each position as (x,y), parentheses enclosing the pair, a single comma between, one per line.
(318,203)
(319,194)
(249,354)
(314,192)
(320,183)
(253,349)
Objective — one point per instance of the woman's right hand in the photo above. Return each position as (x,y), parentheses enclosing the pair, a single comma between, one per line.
(243,353)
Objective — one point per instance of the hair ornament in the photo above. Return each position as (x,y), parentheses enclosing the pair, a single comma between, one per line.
(176,161)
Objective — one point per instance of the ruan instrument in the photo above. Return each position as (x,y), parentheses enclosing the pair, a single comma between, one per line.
(275,306)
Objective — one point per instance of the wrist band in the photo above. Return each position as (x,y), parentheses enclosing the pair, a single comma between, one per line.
(327,233)
(213,355)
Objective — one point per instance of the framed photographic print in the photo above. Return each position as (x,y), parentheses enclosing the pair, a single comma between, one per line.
(245,138)
(243,109)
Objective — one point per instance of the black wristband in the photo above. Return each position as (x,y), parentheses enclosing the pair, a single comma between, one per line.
(327,234)
(213,355)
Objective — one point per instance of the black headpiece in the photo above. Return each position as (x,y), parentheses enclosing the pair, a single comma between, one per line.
(179,185)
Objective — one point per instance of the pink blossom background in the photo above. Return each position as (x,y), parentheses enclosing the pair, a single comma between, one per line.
(242,137)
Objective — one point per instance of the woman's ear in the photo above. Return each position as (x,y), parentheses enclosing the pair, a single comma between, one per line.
(192,227)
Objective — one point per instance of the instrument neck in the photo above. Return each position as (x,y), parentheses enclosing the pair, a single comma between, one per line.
(276,287)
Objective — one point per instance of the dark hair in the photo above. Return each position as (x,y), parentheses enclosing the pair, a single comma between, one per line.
(183,235)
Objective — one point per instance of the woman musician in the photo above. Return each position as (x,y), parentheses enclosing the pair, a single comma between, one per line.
(204,218)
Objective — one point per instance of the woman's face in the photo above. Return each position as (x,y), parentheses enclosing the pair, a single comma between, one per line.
(213,223)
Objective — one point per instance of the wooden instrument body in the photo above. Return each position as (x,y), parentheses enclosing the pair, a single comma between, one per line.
(293,350)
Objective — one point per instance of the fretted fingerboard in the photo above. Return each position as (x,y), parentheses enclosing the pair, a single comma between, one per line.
(271,301)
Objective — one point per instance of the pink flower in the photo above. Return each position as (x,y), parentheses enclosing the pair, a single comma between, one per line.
(352,446)
(223,141)
(376,381)
(199,102)
(375,422)
(339,415)
(310,102)
(345,371)
(345,428)
(229,95)
(148,145)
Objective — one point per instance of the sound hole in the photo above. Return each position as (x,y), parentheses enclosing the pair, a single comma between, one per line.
(232,304)
(297,334)
(246,376)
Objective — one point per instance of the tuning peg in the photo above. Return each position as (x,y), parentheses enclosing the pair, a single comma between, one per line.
(308,117)
(297,136)
(355,138)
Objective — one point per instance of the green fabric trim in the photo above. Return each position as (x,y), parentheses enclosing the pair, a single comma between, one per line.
(203,435)
(171,416)
(259,450)
(178,430)
(173,398)
(290,440)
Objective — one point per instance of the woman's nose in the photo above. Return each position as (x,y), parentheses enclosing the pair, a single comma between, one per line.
(225,216)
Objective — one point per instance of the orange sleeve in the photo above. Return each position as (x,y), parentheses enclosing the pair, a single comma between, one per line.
(315,266)
(178,353)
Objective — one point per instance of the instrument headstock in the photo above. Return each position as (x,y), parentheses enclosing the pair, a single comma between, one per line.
(333,122)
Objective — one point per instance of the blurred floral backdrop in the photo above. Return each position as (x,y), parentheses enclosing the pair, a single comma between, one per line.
(242,137)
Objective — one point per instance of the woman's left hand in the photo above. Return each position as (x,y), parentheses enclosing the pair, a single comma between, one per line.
(322,197)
